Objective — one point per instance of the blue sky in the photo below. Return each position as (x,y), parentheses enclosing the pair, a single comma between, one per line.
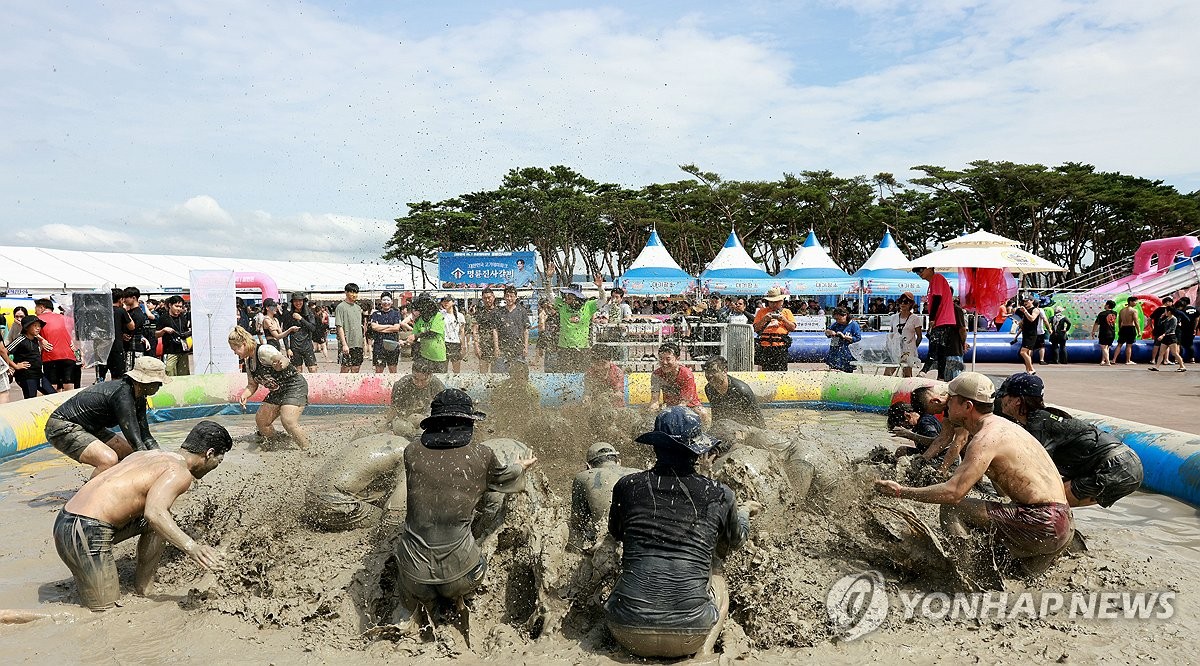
(299,130)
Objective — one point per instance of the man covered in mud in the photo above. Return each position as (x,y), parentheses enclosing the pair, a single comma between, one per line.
(447,474)
(1096,467)
(672,521)
(349,490)
(79,428)
(134,498)
(591,493)
(412,394)
(730,397)
(1036,524)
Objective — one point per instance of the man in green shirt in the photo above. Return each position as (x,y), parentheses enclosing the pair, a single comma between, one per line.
(349,321)
(575,313)
(429,333)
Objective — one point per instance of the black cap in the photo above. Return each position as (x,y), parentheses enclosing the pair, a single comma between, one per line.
(30,321)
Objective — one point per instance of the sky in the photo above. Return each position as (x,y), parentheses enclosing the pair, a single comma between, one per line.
(299,130)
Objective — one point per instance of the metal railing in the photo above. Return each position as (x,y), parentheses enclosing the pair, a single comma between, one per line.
(637,342)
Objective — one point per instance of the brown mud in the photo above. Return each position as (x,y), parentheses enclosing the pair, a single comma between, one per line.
(287,590)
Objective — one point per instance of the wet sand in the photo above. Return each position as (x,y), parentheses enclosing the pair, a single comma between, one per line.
(291,594)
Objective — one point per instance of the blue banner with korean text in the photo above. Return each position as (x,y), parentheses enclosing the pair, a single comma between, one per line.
(467,270)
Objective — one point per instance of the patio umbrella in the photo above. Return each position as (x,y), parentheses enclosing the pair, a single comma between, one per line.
(985,250)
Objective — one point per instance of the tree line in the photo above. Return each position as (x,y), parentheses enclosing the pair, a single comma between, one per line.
(1071,214)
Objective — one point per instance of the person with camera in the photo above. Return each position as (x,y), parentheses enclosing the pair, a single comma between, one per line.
(773,323)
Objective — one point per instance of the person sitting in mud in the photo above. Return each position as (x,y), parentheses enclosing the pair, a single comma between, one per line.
(287,389)
(79,428)
(411,394)
(730,397)
(134,498)
(591,493)
(1037,524)
(604,379)
(674,384)
(1096,467)
(348,491)
(447,475)
(668,600)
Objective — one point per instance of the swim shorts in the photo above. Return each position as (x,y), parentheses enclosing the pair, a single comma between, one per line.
(85,546)
(71,439)
(59,372)
(1032,529)
(303,355)
(413,592)
(1106,340)
(1168,340)
(1031,341)
(1127,335)
(381,357)
(351,360)
(293,392)
(1116,477)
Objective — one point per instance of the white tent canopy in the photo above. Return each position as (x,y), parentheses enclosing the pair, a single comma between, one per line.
(810,255)
(49,270)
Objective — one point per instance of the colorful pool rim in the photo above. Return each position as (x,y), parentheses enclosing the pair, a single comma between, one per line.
(1171,458)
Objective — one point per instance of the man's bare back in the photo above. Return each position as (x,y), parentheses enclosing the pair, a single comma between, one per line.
(1127,316)
(118,494)
(1019,466)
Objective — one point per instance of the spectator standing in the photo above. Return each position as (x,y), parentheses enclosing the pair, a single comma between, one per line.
(1031,331)
(143,342)
(1189,321)
(385,335)
(123,331)
(487,339)
(575,314)
(906,324)
(1168,339)
(774,323)
(456,330)
(939,299)
(26,352)
(348,317)
(14,331)
(1060,326)
(429,333)
(173,328)
(1127,330)
(842,332)
(305,328)
(513,330)
(58,357)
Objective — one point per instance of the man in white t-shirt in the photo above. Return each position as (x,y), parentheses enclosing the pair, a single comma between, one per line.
(456,326)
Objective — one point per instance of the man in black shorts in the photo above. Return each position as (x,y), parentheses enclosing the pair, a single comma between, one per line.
(730,397)
(1096,467)
(1188,318)
(80,427)
(1127,330)
(1106,325)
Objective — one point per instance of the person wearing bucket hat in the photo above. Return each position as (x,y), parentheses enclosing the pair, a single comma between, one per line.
(774,325)
(591,494)
(446,476)
(575,315)
(26,351)
(136,500)
(303,324)
(80,427)
(1096,467)
(672,522)
(287,389)
(1036,525)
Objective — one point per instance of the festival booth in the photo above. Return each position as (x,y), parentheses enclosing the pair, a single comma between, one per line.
(655,272)
(732,271)
(812,272)
(882,275)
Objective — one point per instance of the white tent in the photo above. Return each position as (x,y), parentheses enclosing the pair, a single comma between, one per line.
(732,271)
(655,272)
(810,255)
(48,270)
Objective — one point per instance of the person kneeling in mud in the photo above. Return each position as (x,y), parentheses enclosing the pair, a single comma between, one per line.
(591,493)
(79,428)
(668,600)
(1096,467)
(447,475)
(1037,524)
(131,498)
(347,493)
(288,390)
(411,394)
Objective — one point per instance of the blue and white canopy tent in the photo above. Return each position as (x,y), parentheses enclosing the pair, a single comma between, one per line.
(732,271)
(882,274)
(655,272)
(813,273)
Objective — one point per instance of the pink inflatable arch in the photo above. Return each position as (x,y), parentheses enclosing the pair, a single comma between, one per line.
(262,281)
(1163,251)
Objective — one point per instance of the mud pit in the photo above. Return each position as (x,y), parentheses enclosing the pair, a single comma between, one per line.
(287,589)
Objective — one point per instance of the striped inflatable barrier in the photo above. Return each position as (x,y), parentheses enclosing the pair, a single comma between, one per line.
(1171,458)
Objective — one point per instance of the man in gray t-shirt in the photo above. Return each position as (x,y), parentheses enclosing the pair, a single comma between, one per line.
(349,318)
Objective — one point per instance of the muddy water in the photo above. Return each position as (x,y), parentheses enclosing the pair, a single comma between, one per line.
(308,624)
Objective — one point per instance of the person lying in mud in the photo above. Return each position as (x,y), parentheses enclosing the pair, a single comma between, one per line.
(411,394)
(1037,524)
(1096,467)
(673,383)
(79,428)
(287,389)
(730,397)
(668,600)
(131,498)
(591,494)
(447,475)
(353,489)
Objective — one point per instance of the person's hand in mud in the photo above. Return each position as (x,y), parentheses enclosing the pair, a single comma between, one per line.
(752,508)
(904,433)
(527,462)
(206,556)
(888,488)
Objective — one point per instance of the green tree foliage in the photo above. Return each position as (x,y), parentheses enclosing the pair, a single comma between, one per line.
(1070,214)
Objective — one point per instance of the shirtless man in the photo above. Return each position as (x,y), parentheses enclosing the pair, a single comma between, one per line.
(1037,523)
(591,493)
(132,498)
(349,491)
(1127,330)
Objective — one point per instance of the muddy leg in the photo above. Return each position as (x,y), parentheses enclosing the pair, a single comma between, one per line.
(721,597)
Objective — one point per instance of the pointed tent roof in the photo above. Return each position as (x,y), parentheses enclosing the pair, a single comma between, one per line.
(885,262)
(655,261)
(812,261)
(734,262)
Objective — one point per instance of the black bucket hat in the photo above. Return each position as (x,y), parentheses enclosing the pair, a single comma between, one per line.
(451,403)
(680,426)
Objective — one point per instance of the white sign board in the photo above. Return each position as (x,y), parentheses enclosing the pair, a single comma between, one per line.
(214,314)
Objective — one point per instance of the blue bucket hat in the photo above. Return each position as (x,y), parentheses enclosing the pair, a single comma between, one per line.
(1022,384)
(681,426)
